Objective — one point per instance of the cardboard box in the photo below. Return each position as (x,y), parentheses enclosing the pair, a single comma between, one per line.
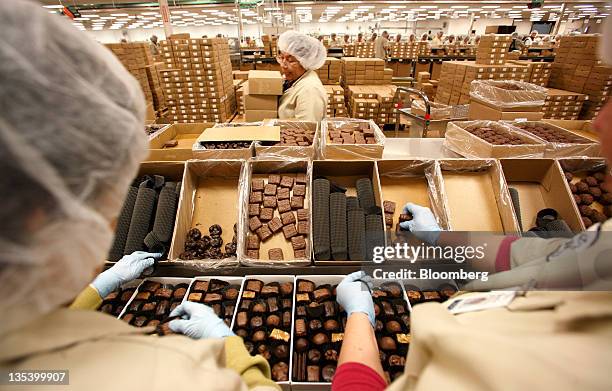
(333,151)
(540,184)
(259,102)
(478,111)
(210,194)
(458,140)
(162,280)
(265,83)
(345,174)
(583,128)
(259,115)
(261,169)
(185,134)
(221,133)
(264,150)
(477,196)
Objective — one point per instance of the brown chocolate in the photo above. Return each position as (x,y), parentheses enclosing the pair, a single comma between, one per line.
(286,288)
(288,218)
(300,178)
(298,242)
(242,319)
(283,193)
(270,189)
(253,254)
(305,286)
(257,184)
(299,254)
(254,223)
(297,202)
(254,209)
(252,242)
(275,254)
(280,371)
(289,231)
(274,179)
(300,327)
(264,233)
(269,202)
(299,190)
(286,181)
(302,214)
(256,197)
(284,206)
(389,207)
(266,214)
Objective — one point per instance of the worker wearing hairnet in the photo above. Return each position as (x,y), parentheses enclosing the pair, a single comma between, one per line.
(71,140)
(304,97)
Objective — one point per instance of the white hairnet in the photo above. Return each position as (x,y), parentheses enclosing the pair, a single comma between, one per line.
(307,50)
(71,138)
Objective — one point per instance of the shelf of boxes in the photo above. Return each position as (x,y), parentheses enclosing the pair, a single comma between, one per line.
(348,50)
(135,57)
(330,72)
(493,49)
(365,71)
(373,102)
(336,106)
(561,104)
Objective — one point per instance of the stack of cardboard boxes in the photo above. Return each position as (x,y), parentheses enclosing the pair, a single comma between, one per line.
(404,50)
(197,81)
(456,77)
(561,104)
(493,49)
(424,49)
(539,72)
(270,44)
(424,84)
(157,93)
(335,101)
(261,94)
(348,50)
(577,68)
(330,72)
(371,102)
(365,50)
(365,71)
(135,57)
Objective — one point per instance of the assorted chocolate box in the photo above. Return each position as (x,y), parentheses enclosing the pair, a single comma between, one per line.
(220,295)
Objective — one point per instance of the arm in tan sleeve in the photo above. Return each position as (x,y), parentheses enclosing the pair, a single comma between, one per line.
(254,370)
(311,105)
(88,299)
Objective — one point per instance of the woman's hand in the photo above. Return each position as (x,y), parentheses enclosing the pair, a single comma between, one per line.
(128,268)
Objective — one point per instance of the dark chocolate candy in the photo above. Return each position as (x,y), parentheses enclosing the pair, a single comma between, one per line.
(280,371)
(314,356)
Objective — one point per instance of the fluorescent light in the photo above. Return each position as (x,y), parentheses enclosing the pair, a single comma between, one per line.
(429,6)
(120,14)
(490,6)
(460,7)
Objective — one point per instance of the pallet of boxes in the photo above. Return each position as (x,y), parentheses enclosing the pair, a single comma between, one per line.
(260,95)
(197,79)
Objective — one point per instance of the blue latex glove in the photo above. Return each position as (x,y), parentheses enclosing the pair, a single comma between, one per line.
(199,322)
(423,224)
(353,294)
(128,268)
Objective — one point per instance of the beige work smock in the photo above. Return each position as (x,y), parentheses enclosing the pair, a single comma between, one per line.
(103,353)
(305,100)
(543,341)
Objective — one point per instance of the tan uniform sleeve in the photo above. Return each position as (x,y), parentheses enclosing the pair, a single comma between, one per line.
(88,299)
(311,105)
(254,370)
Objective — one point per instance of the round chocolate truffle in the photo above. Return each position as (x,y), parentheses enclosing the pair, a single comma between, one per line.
(387,343)
(249,346)
(393,326)
(606,198)
(582,187)
(573,188)
(281,351)
(259,307)
(259,336)
(577,199)
(280,371)
(320,339)
(286,288)
(314,356)
(242,333)
(328,372)
(331,355)
(215,230)
(301,344)
(331,325)
(264,351)
(376,310)
(569,176)
(256,322)
(599,217)
(273,321)
(230,294)
(314,325)
(379,325)
(591,181)
(586,211)
(595,191)
(586,199)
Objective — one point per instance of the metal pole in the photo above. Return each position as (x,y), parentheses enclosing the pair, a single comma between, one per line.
(558,22)
(164,10)
(239,11)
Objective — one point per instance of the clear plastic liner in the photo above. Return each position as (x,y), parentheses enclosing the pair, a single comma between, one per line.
(500,188)
(278,150)
(281,166)
(194,171)
(575,146)
(419,169)
(582,164)
(335,151)
(508,94)
(436,110)
(460,141)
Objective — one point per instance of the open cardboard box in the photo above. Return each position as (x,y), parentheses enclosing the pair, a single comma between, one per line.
(477,197)
(256,168)
(266,279)
(232,280)
(351,151)
(346,174)
(582,128)
(478,110)
(210,195)
(235,133)
(579,167)
(185,134)
(584,147)
(459,140)
(291,151)
(540,184)
(162,280)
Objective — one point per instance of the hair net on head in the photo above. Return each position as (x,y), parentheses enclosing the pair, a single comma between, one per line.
(71,139)
(307,50)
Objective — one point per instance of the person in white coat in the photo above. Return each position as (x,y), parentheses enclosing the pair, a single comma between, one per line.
(304,97)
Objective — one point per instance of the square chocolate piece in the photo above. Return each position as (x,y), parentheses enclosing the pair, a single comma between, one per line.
(284,206)
(254,254)
(286,181)
(302,214)
(297,202)
(195,296)
(298,242)
(282,193)
(288,218)
(269,202)
(270,189)
(300,178)
(275,224)
(264,233)
(254,223)
(253,210)
(389,207)
(299,190)
(256,197)
(266,214)
(289,231)
(303,227)
(274,179)
(200,286)
(257,184)
(299,254)
(275,254)
(405,217)
(252,242)
(389,219)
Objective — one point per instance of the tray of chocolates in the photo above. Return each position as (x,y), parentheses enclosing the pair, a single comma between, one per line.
(351,139)
(317,332)
(153,301)
(297,139)
(264,321)
(115,301)
(430,292)
(219,293)
(559,142)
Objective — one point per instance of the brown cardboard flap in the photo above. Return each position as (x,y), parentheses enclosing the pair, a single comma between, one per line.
(241,133)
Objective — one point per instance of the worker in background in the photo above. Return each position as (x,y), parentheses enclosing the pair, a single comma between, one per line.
(450,40)
(412,38)
(320,38)
(398,38)
(438,39)
(61,196)
(531,39)
(359,38)
(516,43)
(373,37)
(424,37)
(466,40)
(335,41)
(347,39)
(429,36)
(154,45)
(381,44)
(304,97)
(487,349)
(472,40)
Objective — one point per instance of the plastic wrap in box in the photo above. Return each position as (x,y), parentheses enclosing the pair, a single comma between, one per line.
(508,95)
(219,206)
(436,110)
(293,151)
(459,140)
(500,189)
(578,145)
(267,167)
(333,151)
